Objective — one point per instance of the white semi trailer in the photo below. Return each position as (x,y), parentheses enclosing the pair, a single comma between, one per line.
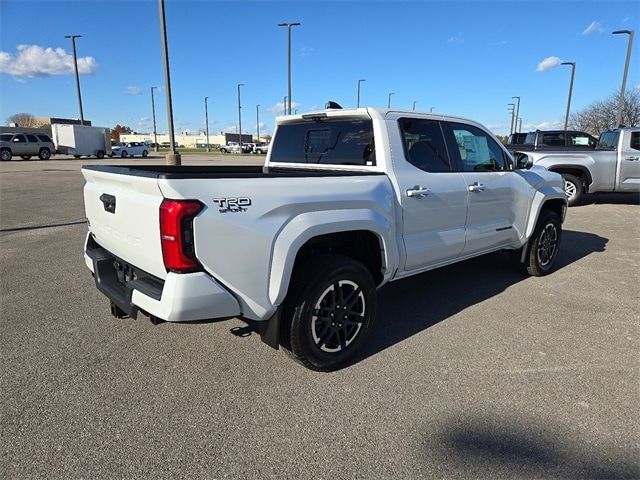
(81,140)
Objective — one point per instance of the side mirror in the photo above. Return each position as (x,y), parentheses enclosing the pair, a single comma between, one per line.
(523,161)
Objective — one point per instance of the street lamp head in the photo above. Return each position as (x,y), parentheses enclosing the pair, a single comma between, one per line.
(515,97)
(72,36)
(628,32)
(568,63)
(241,84)
(289,24)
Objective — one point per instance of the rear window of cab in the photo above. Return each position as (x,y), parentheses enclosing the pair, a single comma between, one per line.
(327,142)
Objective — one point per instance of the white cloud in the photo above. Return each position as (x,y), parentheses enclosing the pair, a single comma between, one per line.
(133,91)
(548,63)
(36,61)
(278,108)
(594,27)
(457,38)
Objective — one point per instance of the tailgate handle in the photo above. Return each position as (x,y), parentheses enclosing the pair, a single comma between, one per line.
(109,202)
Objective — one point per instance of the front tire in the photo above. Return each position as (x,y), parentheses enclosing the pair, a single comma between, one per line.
(5,155)
(328,312)
(100,154)
(544,245)
(145,153)
(574,188)
(123,154)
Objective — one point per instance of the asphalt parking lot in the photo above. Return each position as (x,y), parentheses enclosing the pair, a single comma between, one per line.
(472,371)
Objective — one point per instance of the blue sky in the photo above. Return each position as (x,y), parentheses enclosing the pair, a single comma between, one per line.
(462,58)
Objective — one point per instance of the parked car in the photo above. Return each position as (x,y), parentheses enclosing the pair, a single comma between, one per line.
(130,149)
(302,243)
(261,148)
(26,145)
(613,166)
(230,148)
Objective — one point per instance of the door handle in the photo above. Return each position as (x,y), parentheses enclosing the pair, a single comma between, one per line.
(417,191)
(631,159)
(476,187)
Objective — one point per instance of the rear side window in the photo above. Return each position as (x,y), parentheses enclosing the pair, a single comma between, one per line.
(44,138)
(6,137)
(32,138)
(553,139)
(424,145)
(338,142)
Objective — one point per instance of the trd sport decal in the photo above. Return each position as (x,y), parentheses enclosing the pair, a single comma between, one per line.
(233,205)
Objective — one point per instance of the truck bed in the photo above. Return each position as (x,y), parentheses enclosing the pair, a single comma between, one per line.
(170,172)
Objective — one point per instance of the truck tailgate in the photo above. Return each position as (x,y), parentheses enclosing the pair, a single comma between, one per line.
(123,214)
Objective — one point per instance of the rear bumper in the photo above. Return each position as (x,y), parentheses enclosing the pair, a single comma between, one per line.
(181,297)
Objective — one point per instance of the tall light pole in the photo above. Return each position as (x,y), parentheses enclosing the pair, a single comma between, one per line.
(512,110)
(515,126)
(289,25)
(172,157)
(520,128)
(285,105)
(153,112)
(389,99)
(414,105)
(258,123)
(573,70)
(240,117)
(624,76)
(75,64)
(206,121)
(358,98)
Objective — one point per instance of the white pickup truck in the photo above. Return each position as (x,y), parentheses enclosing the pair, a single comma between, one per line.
(347,201)
(614,165)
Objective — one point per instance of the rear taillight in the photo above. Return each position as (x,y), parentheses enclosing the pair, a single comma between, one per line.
(176,234)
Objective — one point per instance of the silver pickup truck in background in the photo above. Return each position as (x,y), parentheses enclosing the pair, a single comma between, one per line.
(613,166)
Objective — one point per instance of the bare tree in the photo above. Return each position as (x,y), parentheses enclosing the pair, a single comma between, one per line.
(24,120)
(601,115)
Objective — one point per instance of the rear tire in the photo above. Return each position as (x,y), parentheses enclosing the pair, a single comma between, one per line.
(574,188)
(145,153)
(328,312)
(44,154)
(100,154)
(123,154)
(544,245)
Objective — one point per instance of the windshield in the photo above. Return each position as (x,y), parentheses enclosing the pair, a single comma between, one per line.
(608,141)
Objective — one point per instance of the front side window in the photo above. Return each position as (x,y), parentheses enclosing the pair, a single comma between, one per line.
(477,151)
(635,140)
(424,144)
(20,139)
(337,142)
(553,139)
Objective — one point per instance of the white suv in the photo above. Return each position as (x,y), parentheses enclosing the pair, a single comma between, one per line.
(130,149)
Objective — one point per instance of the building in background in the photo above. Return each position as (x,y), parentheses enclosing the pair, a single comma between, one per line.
(188,140)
